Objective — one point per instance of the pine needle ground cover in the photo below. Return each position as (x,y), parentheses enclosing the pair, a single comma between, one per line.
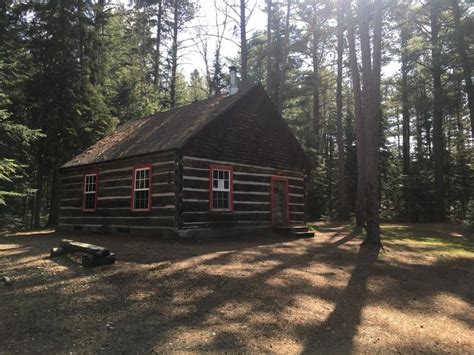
(258,295)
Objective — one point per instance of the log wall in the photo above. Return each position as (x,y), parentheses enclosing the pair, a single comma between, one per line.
(114,193)
(252,196)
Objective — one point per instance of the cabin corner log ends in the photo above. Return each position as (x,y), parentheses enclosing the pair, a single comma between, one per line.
(93,255)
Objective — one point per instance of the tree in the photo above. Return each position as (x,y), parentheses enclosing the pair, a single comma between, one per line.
(342,209)
(438,140)
(182,12)
(460,33)
(360,212)
(69,108)
(243,40)
(371,109)
(197,87)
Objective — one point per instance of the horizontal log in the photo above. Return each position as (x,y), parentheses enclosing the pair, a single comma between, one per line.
(135,219)
(165,210)
(196,184)
(72,246)
(92,261)
(235,217)
(297,208)
(57,252)
(251,188)
(193,172)
(203,163)
(296,199)
(157,159)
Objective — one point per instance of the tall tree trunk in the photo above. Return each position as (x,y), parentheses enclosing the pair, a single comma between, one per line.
(159,17)
(39,186)
(405,102)
(54,206)
(174,55)
(438,141)
(460,33)
(341,162)
(99,24)
(243,40)
(284,58)
(315,59)
(359,120)
(371,108)
(407,181)
(269,46)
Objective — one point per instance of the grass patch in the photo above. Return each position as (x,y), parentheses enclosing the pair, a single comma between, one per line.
(426,239)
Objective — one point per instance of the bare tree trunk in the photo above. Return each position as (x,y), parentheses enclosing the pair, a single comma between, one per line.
(284,58)
(342,207)
(174,55)
(371,106)
(438,141)
(465,61)
(359,120)
(243,40)
(159,18)
(269,46)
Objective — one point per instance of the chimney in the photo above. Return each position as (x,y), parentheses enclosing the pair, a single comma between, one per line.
(233,89)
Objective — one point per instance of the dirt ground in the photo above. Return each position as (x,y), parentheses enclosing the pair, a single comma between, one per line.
(323,294)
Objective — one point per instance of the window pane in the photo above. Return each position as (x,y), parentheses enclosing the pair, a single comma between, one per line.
(90,183)
(225,200)
(141,199)
(89,202)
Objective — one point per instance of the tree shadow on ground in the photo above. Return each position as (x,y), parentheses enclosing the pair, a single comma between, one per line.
(339,329)
(222,296)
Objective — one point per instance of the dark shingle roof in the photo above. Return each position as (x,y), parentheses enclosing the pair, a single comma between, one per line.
(162,131)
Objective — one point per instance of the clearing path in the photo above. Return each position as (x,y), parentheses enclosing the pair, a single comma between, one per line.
(267,295)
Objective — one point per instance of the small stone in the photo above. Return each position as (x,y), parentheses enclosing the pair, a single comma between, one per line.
(7,280)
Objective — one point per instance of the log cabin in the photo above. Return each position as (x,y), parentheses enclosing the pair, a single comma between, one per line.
(226,164)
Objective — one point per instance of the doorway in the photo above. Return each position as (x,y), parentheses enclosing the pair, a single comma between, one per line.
(279,201)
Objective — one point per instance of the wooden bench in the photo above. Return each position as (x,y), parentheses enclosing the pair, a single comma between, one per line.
(93,255)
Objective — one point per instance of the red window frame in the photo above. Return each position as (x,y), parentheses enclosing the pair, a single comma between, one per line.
(132,199)
(285,180)
(96,174)
(230,169)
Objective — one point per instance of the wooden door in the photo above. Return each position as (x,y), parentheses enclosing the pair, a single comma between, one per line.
(279,192)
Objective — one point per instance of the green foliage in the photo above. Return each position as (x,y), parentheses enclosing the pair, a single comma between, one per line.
(197,87)
(70,71)
(469,220)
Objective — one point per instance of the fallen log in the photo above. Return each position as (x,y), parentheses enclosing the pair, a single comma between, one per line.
(91,260)
(71,246)
(57,252)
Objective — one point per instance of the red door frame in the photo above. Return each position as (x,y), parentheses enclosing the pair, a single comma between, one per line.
(285,180)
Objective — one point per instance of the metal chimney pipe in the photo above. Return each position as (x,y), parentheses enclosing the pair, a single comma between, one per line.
(233,89)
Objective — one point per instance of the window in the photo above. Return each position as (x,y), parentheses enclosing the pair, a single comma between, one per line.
(221,188)
(141,193)
(89,201)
